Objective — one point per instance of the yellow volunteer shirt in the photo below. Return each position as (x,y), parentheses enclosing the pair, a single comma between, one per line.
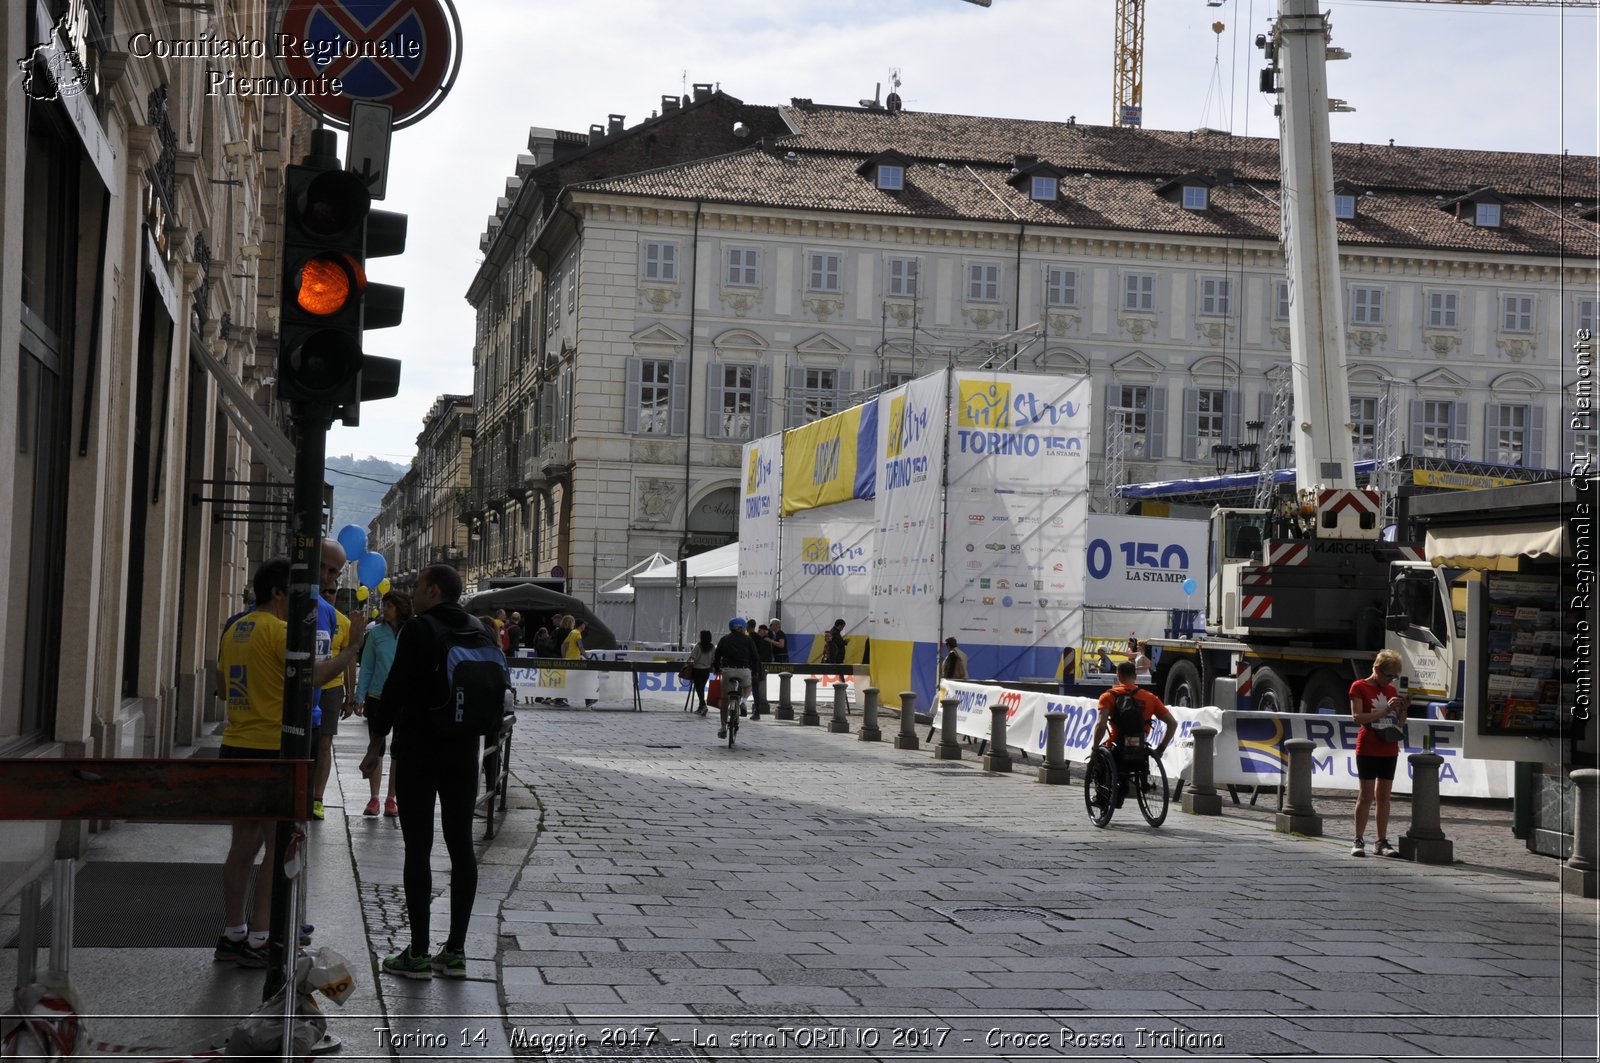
(571,647)
(251,660)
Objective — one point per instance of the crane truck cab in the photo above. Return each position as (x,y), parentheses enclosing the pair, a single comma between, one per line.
(1423,629)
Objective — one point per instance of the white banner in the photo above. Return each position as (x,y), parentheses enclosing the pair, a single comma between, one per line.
(905,581)
(1145,562)
(827,569)
(1249,747)
(528,683)
(758,527)
(1016,506)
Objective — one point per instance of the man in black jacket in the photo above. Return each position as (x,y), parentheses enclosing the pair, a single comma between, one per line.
(428,767)
(737,659)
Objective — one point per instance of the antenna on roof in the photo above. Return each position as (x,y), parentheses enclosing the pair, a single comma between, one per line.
(892,101)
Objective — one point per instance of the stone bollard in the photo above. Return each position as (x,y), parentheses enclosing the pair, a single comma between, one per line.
(1425,841)
(1581,873)
(949,747)
(1299,816)
(907,738)
(840,724)
(998,758)
(869,716)
(1200,797)
(1055,769)
(809,717)
(785,702)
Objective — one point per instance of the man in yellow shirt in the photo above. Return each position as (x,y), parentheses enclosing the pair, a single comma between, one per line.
(250,666)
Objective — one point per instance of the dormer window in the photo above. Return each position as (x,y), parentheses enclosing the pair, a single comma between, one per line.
(886,170)
(1194,197)
(1484,208)
(1040,180)
(1044,189)
(1190,191)
(1344,207)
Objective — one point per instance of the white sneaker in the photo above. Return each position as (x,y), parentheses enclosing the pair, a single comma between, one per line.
(1359,848)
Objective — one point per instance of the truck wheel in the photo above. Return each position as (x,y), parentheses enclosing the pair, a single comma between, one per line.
(1272,692)
(1183,685)
(1325,692)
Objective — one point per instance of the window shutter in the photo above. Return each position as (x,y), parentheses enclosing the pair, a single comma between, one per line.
(1533,453)
(714,401)
(841,388)
(1157,446)
(874,379)
(796,396)
(1458,427)
(760,400)
(1491,431)
(1416,427)
(1232,418)
(680,398)
(630,412)
(1191,422)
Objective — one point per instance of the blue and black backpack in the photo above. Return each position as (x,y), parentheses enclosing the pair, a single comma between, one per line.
(475,680)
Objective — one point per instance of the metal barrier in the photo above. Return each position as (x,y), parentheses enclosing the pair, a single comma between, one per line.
(496,763)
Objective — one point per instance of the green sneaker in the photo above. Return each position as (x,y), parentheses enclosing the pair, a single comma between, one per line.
(409,964)
(450,963)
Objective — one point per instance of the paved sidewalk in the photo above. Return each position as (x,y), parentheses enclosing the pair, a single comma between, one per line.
(808,895)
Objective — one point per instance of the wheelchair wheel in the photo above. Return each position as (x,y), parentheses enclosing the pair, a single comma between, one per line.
(1100,786)
(1153,792)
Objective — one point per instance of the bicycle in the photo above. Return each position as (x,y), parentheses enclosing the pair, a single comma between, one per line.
(732,697)
(1112,770)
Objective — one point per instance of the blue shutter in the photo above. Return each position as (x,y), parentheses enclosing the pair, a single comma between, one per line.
(1459,411)
(714,401)
(1491,431)
(680,398)
(1157,447)
(841,390)
(630,409)
(1191,422)
(760,400)
(1416,427)
(874,379)
(1533,453)
(1232,417)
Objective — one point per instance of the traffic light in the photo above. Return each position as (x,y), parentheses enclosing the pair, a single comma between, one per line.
(329,231)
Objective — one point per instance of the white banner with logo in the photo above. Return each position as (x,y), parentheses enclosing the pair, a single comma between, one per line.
(529,683)
(1145,562)
(904,587)
(1249,746)
(827,568)
(1016,505)
(758,527)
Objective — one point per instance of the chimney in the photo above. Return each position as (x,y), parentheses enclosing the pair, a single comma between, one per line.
(669,104)
(702,91)
(614,123)
(1225,176)
(597,133)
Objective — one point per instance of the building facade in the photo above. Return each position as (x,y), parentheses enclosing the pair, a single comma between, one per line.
(677,312)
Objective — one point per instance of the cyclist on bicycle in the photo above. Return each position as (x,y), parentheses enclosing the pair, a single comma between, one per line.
(736,658)
(1127,708)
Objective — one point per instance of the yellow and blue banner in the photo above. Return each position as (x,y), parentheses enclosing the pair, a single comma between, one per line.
(832,460)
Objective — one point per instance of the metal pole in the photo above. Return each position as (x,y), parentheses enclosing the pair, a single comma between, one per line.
(305,542)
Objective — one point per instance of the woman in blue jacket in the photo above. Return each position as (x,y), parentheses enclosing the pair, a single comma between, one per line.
(377,654)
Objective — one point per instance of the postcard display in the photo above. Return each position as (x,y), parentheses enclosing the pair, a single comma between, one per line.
(1525,684)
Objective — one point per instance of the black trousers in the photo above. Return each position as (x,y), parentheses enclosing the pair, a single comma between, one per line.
(447,774)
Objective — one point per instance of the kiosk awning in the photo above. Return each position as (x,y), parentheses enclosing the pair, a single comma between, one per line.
(1489,548)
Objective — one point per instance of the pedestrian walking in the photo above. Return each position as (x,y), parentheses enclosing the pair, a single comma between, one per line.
(249,678)
(432,765)
(955,661)
(700,655)
(377,657)
(1380,709)
(834,644)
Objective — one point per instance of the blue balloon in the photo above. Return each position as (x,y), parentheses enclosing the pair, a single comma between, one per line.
(1189,585)
(353,537)
(371,569)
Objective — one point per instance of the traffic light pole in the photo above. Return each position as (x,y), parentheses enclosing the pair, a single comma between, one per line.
(305,531)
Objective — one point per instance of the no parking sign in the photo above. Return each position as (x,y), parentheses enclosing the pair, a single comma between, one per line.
(401,53)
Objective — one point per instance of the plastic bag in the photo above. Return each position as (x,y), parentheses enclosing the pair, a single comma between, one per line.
(261,1032)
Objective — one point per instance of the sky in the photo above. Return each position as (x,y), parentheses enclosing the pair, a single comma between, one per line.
(1427,74)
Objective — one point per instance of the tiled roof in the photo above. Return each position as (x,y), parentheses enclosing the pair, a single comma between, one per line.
(1111,177)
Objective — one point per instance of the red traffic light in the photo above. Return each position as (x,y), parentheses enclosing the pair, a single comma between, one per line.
(327,284)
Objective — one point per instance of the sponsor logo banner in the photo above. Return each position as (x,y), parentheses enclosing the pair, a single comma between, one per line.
(832,460)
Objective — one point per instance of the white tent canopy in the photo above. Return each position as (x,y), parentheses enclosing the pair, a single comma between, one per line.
(710,584)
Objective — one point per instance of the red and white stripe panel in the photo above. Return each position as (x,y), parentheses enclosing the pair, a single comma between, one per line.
(1293,553)
(1243,677)
(1254,576)
(1412,553)
(1357,498)
(1256,607)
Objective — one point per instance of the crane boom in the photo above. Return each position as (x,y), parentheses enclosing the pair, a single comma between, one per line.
(1127,65)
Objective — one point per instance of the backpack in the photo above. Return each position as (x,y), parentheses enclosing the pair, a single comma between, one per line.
(476,681)
(1128,719)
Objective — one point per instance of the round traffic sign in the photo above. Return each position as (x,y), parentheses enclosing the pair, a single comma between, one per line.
(402,53)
